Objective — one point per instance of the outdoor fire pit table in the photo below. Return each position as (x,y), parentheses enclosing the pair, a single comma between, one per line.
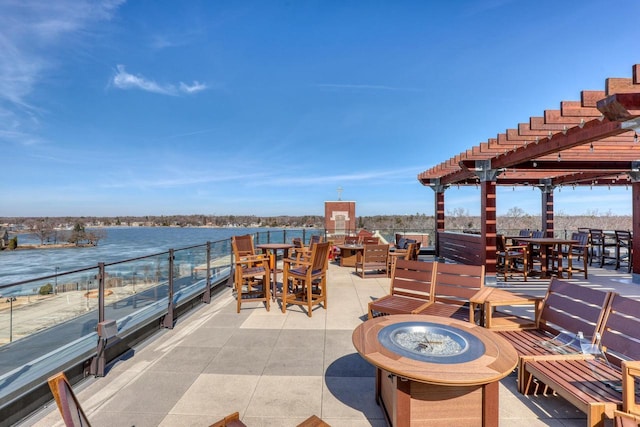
(432,370)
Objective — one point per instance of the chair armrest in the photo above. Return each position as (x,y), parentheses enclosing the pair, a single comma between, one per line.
(252,259)
(630,372)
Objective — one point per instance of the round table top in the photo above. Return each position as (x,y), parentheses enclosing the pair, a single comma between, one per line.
(274,246)
(498,360)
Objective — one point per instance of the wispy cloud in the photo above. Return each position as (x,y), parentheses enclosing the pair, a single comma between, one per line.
(31,32)
(125,80)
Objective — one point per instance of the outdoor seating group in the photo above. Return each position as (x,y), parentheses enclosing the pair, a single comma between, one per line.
(74,416)
(583,344)
(578,347)
(304,275)
(614,247)
(530,252)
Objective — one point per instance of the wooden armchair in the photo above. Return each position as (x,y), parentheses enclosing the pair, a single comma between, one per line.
(369,240)
(411,291)
(574,253)
(68,405)
(309,277)
(373,257)
(351,240)
(508,257)
(630,414)
(624,249)
(252,275)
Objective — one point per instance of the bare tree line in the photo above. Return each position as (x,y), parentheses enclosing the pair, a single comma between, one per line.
(74,229)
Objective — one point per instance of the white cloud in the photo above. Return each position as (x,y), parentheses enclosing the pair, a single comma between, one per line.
(124,80)
(31,32)
(195,87)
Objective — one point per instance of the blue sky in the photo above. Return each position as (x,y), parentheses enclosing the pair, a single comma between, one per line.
(267,107)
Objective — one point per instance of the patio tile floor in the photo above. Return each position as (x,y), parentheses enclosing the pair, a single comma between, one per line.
(278,369)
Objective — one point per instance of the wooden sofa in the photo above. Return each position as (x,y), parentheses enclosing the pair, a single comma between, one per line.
(440,289)
(594,383)
(567,307)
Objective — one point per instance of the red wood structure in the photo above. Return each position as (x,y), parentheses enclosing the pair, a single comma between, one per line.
(592,141)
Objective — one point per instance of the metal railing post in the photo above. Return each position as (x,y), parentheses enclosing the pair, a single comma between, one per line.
(101,279)
(168,318)
(206,298)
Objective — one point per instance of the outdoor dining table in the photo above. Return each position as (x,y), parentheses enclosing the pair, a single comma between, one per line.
(274,248)
(547,245)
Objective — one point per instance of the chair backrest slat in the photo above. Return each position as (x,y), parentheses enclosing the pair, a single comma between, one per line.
(320,256)
(573,308)
(620,332)
(457,283)
(243,245)
(413,278)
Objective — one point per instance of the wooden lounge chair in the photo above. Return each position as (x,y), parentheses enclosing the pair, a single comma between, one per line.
(68,405)
(373,258)
(410,289)
(305,280)
(566,310)
(593,383)
(252,275)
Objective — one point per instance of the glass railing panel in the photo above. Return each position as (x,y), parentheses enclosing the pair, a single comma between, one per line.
(45,303)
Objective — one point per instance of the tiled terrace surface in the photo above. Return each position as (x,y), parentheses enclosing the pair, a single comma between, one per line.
(278,369)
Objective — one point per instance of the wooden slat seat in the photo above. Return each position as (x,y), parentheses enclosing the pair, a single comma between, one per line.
(567,307)
(594,384)
(410,289)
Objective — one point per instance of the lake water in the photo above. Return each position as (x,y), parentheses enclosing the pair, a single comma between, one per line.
(120,244)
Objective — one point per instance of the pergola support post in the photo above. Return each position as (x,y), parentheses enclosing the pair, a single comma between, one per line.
(634,176)
(547,225)
(438,190)
(488,177)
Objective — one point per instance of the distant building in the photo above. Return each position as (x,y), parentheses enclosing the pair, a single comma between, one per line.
(4,238)
(340,217)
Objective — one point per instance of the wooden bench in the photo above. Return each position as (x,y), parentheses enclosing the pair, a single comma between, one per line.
(410,289)
(566,308)
(453,287)
(593,384)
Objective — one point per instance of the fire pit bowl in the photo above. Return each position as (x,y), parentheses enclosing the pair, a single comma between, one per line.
(431,342)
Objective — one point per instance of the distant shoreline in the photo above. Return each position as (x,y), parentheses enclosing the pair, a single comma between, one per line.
(50,246)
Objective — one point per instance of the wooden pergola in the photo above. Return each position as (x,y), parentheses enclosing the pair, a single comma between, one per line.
(592,141)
